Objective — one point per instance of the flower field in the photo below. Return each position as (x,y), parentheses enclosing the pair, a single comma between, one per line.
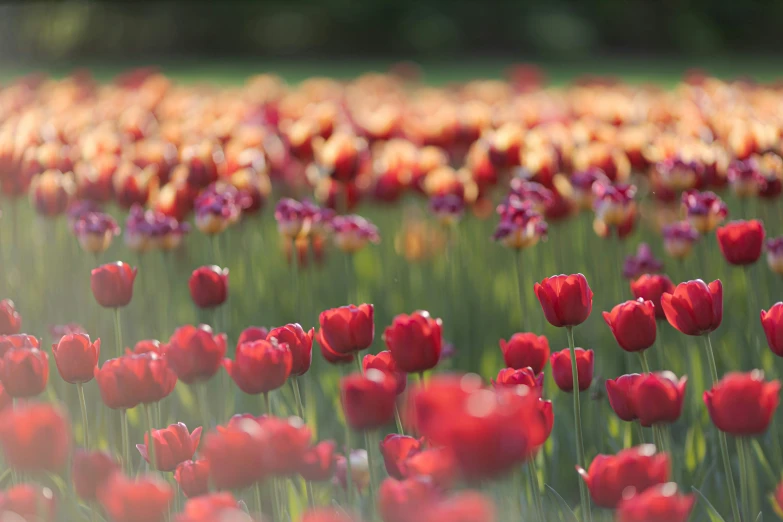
(340,301)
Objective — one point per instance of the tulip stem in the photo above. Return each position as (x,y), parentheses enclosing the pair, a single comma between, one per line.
(580,448)
(125,440)
(83,404)
(295,277)
(267,403)
(257,498)
(743,464)
(359,365)
(301,413)
(639,431)
(117,332)
(532,470)
(643,361)
(348,471)
(398,420)
(369,441)
(151,442)
(724,445)
(203,405)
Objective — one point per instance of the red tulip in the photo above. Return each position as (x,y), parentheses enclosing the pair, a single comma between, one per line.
(212,508)
(235,454)
(135,379)
(525,376)
(51,191)
(347,329)
(656,504)
(288,440)
(76,357)
(193,477)
(566,300)
(112,284)
(89,471)
(10,320)
(386,363)
(778,497)
(24,372)
(741,241)
(705,210)
(650,287)
(772,322)
(402,501)
(633,324)
(330,355)
(299,342)
(610,475)
(209,286)
(694,308)
(252,333)
(360,471)
(17,341)
(5,399)
(658,397)
(30,502)
(368,400)
(134,500)
(561,369)
(194,353)
(318,462)
(526,349)
(326,515)
(620,395)
(414,341)
(466,506)
(35,437)
(173,445)
(396,449)
(260,366)
(742,404)
(437,465)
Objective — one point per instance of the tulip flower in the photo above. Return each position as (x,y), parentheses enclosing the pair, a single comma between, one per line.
(744,177)
(368,400)
(610,475)
(194,353)
(520,226)
(24,372)
(620,395)
(347,329)
(384,362)
(10,320)
(260,366)
(694,308)
(135,379)
(112,284)
(89,471)
(58,331)
(51,191)
(5,399)
(438,465)
(173,445)
(644,262)
(741,241)
(402,501)
(613,204)
(525,377)
(678,239)
(318,462)
(76,357)
(329,355)
(216,211)
(352,233)
(524,350)
(466,506)
(565,300)
(192,476)
(650,287)
(414,341)
(290,217)
(657,503)
(396,449)
(772,322)
(447,208)
(778,499)
(95,231)
(236,455)
(215,506)
(358,469)
(775,254)
(252,333)
(35,438)
(705,210)
(326,515)
(742,404)
(299,342)
(209,286)
(131,500)
(633,324)
(658,398)
(561,369)
(29,502)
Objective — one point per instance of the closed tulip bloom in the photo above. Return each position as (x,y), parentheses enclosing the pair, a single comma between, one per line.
(620,395)
(386,363)
(35,438)
(694,308)
(51,191)
(10,320)
(318,462)
(741,241)
(465,506)
(194,353)
(525,349)
(742,404)
(144,498)
(678,239)
(235,454)
(566,299)
(368,400)
(402,500)
(610,475)
(209,286)
(414,341)
(705,210)
(775,254)
(76,357)
(193,477)
(660,503)
(561,369)
(438,465)
(525,377)
(772,322)
(112,284)
(299,342)
(396,449)
(260,366)
(658,397)
(89,471)
(17,341)
(135,379)
(252,333)
(650,287)
(214,507)
(352,233)
(327,515)
(24,372)
(330,355)
(287,441)
(30,502)
(95,231)
(347,329)
(173,445)
(633,324)
(148,346)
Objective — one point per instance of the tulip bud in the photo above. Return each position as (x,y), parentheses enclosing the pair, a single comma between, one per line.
(76,357)
(658,397)
(209,286)
(368,400)
(741,241)
(10,320)
(561,369)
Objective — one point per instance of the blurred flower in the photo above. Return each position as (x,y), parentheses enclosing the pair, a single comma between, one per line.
(35,437)
(447,208)
(566,300)
(465,506)
(260,366)
(193,477)
(148,346)
(195,353)
(299,342)
(51,191)
(318,462)
(368,400)
(658,398)
(438,465)
(775,254)
(524,376)
(678,239)
(414,341)
(704,210)
(90,470)
(24,371)
(10,319)
(213,507)
(677,174)
(287,441)
(694,308)
(360,471)
(772,322)
(252,333)
(742,404)
(133,185)
(347,329)
(95,231)
(639,468)
(112,284)
(290,217)
(633,324)
(76,357)
(744,177)
(526,349)
(131,500)
(523,192)
(651,288)
(561,369)
(520,226)
(741,241)
(173,445)
(216,210)
(57,331)
(30,502)
(644,262)
(326,515)
(660,502)
(135,379)
(581,185)
(403,500)
(145,230)
(613,204)
(619,391)
(352,233)
(235,454)
(209,286)
(342,156)
(396,450)
(384,362)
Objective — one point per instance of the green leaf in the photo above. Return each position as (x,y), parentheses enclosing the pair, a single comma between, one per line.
(760,517)
(763,461)
(562,505)
(713,513)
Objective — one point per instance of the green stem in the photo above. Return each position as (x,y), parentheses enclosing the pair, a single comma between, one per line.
(203,405)
(724,446)
(639,431)
(268,403)
(535,487)
(358,362)
(117,333)
(257,498)
(742,453)
(518,281)
(348,472)
(301,413)
(643,361)
(275,501)
(659,445)
(151,442)
(295,277)
(398,420)
(125,440)
(83,404)
(580,449)
(370,443)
